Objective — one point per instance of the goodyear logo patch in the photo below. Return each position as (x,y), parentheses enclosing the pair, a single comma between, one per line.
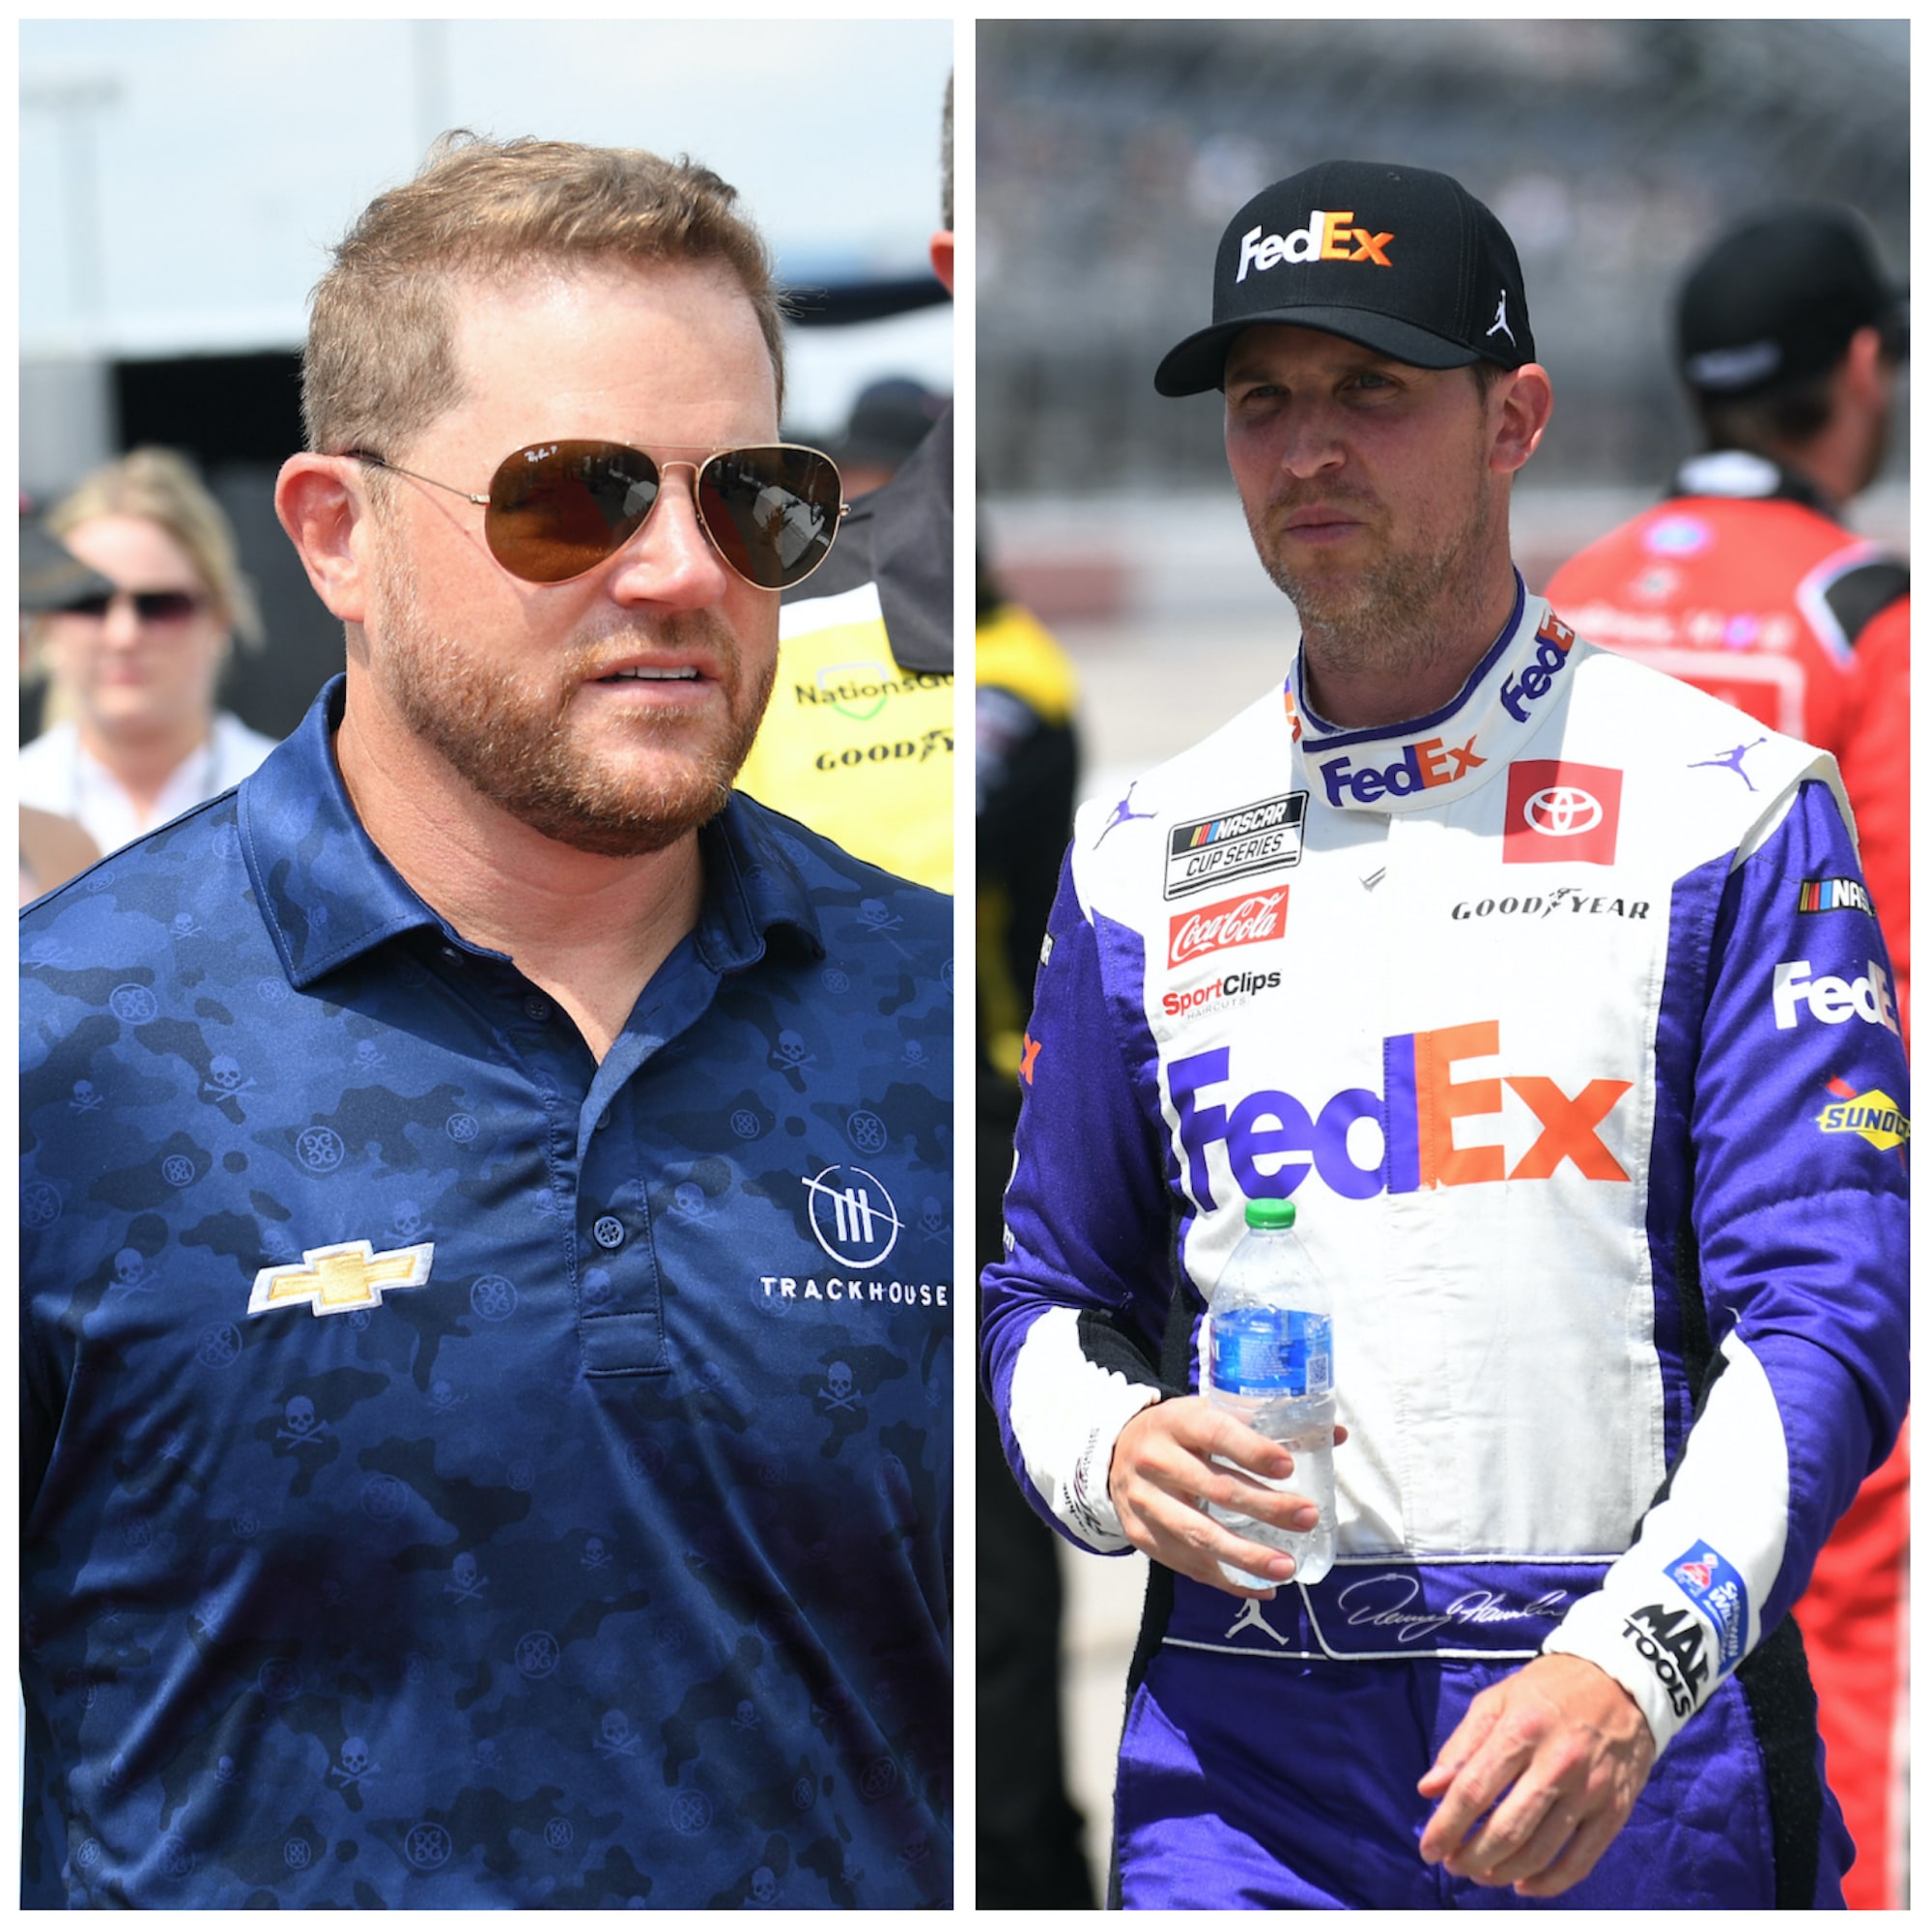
(1833,895)
(1872,1116)
(1253,838)
(1718,1592)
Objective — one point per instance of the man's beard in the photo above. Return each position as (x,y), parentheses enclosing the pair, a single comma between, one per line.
(505,732)
(1394,617)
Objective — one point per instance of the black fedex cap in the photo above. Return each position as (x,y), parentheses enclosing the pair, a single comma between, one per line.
(1402,260)
(1777,299)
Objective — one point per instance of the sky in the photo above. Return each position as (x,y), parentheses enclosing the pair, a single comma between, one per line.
(183,180)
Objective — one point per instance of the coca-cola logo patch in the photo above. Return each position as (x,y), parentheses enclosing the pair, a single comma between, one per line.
(1245,921)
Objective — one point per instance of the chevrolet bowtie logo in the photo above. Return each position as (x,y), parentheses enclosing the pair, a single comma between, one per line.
(337,1279)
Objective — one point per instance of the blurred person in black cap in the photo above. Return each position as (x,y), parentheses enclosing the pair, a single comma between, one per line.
(137,737)
(890,419)
(1746,583)
(1490,952)
(1028,1849)
(53,848)
(858,739)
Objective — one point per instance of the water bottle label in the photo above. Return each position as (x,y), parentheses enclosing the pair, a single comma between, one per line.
(1271,1351)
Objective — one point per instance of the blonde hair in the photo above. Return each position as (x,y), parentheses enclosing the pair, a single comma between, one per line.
(161,486)
(380,364)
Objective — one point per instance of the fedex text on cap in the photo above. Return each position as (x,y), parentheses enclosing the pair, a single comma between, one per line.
(1325,239)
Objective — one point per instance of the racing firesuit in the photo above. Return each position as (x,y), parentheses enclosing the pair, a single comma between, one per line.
(1742,583)
(1561,1014)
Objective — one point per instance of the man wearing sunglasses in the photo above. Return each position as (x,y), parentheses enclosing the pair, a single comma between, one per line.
(1553,1000)
(488,1292)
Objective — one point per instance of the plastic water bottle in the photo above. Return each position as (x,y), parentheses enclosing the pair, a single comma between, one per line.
(1272,1362)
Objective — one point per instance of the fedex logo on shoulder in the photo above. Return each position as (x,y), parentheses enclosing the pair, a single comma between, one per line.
(1829,1000)
(1325,239)
(1426,764)
(1553,652)
(1416,1112)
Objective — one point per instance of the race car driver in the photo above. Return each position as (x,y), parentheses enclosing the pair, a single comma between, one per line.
(1746,583)
(1491,949)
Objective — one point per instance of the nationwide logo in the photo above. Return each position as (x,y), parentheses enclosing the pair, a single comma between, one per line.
(338,1279)
(1229,987)
(1873,1116)
(853,1217)
(1253,838)
(1237,922)
(1830,1001)
(1418,1115)
(1718,1591)
(1559,812)
(859,690)
(1327,237)
(1835,896)
(1554,643)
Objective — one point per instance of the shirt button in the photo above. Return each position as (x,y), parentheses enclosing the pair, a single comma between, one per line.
(538,1007)
(608,1231)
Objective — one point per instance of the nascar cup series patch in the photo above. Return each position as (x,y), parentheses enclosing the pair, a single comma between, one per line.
(1251,838)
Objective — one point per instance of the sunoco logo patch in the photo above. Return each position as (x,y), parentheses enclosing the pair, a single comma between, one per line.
(1253,838)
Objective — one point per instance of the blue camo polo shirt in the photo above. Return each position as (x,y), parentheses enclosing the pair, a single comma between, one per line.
(456,1473)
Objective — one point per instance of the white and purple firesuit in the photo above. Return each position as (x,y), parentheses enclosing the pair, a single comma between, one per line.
(1563,1017)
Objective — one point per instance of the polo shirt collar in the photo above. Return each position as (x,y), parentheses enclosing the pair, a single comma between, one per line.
(328,896)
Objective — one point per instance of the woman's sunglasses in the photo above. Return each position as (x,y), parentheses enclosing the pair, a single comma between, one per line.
(558,509)
(151,606)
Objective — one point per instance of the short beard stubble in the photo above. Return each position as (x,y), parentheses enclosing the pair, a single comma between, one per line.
(1395,617)
(505,734)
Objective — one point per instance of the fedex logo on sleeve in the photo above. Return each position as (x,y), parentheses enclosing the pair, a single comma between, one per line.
(1829,1000)
(1273,1140)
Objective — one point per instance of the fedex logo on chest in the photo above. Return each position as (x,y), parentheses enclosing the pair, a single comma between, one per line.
(1272,1139)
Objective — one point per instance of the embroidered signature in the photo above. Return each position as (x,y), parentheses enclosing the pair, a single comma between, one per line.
(1367,1604)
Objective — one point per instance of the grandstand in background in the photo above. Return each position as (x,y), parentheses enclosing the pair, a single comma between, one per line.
(1111,153)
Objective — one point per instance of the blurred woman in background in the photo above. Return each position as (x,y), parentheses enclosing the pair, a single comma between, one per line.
(139,739)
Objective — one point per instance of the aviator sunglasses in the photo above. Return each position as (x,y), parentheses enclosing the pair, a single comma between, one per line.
(558,509)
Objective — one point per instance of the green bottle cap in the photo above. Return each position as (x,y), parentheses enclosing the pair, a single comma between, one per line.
(1270,1213)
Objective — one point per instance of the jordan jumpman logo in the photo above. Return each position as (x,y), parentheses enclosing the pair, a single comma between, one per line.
(1122,813)
(1732,760)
